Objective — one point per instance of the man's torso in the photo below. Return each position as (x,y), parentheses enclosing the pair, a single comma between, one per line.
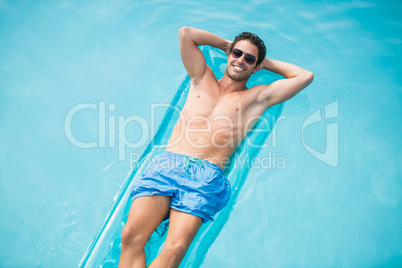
(213,123)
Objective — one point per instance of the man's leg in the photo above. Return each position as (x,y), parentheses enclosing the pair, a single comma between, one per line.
(182,229)
(146,213)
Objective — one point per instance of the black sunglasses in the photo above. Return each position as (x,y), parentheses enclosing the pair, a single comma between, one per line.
(237,53)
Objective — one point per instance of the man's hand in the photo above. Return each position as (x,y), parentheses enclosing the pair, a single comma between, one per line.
(226,49)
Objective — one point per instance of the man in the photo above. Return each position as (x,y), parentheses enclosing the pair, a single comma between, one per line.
(186,181)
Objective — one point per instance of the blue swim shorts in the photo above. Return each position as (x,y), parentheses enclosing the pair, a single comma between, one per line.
(197,187)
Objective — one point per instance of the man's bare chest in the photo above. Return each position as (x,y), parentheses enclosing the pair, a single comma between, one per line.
(214,107)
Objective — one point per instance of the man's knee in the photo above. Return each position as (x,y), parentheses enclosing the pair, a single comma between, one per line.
(131,237)
(176,249)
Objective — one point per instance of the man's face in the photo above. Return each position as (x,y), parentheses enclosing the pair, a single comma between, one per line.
(237,68)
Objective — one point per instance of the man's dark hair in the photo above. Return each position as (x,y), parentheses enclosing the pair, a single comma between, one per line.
(255,40)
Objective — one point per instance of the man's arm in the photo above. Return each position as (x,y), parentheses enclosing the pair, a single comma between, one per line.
(191,55)
(281,90)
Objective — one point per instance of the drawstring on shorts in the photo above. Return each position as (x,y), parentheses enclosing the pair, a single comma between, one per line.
(188,159)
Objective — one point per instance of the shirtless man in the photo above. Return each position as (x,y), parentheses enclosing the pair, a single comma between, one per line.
(186,182)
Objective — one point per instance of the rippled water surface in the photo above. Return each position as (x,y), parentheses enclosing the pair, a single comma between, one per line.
(117,57)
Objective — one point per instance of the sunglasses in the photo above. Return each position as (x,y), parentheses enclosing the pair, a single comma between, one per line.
(237,53)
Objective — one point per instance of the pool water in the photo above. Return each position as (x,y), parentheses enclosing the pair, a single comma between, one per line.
(327,193)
